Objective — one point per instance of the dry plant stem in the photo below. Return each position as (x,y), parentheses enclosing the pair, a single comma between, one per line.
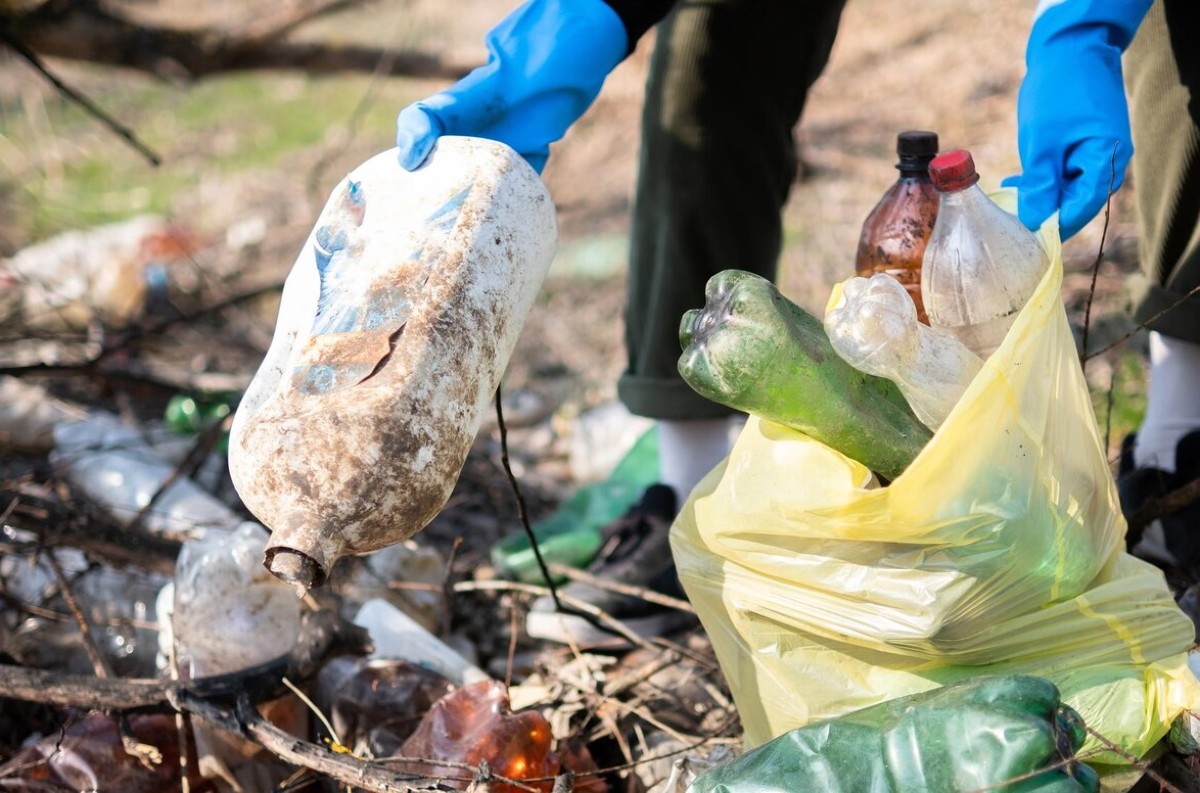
(99,664)
(522,510)
(642,593)
(1144,325)
(206,441)
(597,617)
(111,38)
(1137,763)
(129,371)
(91,108)
(99,538)
(448,588)
(1087,313)
(148,756)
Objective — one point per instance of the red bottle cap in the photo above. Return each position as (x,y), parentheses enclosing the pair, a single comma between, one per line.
(954,170)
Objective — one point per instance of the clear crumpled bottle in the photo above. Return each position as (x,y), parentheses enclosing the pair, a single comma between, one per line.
(981,264)
(873,326)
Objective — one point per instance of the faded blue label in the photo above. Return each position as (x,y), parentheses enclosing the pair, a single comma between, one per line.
(356,316)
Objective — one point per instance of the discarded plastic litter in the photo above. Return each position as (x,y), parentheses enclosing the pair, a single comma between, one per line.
(982,734)
(75,278)
(981,264)
(374,705)
(873,326)
(474,724)
(571,534)
(396,324)
(397,635)
(114,467)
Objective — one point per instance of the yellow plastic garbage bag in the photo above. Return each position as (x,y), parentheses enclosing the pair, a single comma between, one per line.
(1000,550)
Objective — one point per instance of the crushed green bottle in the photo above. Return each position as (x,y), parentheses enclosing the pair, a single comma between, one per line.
(571,534)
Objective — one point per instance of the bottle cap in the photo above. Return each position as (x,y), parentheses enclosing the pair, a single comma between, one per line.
(917,143)
(954,170)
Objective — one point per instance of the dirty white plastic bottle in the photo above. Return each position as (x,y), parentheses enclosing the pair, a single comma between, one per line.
(981,264)
(396,323)
(874,328)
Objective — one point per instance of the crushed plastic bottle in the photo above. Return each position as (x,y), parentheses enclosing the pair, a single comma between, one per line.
(397,635)
(873,326)
(88,754)
(981,264)
(230,614)
(475,724)
(81,276)
(114,467)
(395,326)
(119,605)
(374,705)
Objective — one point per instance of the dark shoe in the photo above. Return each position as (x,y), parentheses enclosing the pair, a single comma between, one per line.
(635,553)
(1173,540)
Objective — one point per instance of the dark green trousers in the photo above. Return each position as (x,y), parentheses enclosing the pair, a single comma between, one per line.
(727,83)
(1162,69)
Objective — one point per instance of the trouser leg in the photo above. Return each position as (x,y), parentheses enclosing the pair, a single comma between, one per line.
(728,80)
(1163,75)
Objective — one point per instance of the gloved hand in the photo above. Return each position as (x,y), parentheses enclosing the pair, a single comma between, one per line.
(1071,110)
(546,63)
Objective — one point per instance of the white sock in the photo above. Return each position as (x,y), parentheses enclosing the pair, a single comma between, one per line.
(1172,401)
(688,450)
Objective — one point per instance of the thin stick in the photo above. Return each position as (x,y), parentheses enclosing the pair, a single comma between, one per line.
(119,129)
(99,663)
(642,593)
(1087,313)
(522,511)
(1144,325)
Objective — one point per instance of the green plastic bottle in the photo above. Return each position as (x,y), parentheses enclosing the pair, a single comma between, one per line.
(571,535)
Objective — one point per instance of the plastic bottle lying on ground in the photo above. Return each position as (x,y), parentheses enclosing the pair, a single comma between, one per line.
(873,326)
(395,326)
(115,468)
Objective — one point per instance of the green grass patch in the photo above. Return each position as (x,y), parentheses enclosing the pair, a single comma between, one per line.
(1119,410)
(67,170)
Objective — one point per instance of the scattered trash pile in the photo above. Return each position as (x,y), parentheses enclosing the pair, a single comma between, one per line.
(132,588)
(145,647)
(909,574)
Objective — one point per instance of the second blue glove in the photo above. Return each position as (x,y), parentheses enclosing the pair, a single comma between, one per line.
(1072,117)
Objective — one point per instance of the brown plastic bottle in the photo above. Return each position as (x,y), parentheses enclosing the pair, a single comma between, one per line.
(894,234)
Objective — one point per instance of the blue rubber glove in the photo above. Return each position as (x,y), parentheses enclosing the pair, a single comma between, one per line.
(546,63)
(1071,110)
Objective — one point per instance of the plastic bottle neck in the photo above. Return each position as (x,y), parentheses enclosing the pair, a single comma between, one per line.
(914,168)
(968,194)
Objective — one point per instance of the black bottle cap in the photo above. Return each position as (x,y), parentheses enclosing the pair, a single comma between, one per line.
(917,143)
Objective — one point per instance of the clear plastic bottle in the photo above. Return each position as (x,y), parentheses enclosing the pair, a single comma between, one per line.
(874,328)
(894,235)
(981,264)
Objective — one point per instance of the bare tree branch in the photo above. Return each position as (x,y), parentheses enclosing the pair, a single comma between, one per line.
(87,32)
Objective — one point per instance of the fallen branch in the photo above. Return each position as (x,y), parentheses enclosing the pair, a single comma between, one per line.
(322,634)
(97,34)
